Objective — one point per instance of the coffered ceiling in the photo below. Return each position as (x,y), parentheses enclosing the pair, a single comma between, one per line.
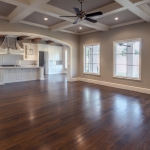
(6,8)
(35,17)
(34,12)
(88,5)
(123,17)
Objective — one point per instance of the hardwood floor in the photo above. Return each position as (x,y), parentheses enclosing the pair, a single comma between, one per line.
(54,114)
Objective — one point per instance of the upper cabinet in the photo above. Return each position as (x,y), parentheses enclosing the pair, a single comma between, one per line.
(30,51)
(54,52)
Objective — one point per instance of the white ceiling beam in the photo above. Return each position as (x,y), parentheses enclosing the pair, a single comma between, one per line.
(134,9)
(20,13)
(97,26)
(61,26)
(145,8)
(137,2)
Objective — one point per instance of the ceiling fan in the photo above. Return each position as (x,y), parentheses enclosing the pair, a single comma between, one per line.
(81,15)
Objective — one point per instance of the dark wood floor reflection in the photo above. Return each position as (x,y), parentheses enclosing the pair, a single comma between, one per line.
(54,114)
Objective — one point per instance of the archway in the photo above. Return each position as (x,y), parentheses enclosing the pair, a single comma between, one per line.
(68,47)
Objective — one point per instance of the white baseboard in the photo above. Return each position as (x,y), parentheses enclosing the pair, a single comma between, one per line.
(74,79)
(54,73)
(21,80)
(115,85)
(41,79)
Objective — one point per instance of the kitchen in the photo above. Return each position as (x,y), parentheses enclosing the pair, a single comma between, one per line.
(20,59)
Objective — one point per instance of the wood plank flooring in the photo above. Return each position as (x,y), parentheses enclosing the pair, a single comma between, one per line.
(56,115)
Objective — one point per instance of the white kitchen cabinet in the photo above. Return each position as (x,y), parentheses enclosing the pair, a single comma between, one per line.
(10,75)
(21,74)
(55,69)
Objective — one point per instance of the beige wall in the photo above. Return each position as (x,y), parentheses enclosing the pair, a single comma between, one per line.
(71,39)
(141,30)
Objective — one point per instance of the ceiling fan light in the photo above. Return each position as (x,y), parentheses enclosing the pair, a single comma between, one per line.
(116,18)
(80,28)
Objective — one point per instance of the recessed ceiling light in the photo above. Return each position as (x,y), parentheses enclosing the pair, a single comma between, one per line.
(45,19)
(80,28)
(116,18)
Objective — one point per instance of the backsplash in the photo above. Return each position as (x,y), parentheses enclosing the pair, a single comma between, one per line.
(15,60)
(10,59)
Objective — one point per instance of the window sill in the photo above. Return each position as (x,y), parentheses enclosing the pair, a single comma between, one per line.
(126,78)
(92,74)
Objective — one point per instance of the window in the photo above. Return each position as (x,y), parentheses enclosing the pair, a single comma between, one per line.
(92,59)
(127,56)
(66,59)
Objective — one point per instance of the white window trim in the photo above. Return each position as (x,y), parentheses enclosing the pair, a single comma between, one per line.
(114,58)
(86,73)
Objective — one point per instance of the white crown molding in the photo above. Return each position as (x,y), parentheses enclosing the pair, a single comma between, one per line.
(127,23)
(114,85)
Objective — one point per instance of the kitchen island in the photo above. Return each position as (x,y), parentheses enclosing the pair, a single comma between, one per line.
(20,74)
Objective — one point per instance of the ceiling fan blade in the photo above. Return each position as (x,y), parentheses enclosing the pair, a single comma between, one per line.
(68,16)
(76,21)
(94,14)
(91,20)
(76,10)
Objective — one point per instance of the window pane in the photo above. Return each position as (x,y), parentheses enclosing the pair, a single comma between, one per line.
(87,68)
(121,59)
(121,49)
(133,59)
(92,59)
(127,59)
(95,59)
(87,59)
(89,50)
(137,47)
(136,60)
(96,49)
(136,71)
(130,47)
(133,72)
(121,70)
(96,68)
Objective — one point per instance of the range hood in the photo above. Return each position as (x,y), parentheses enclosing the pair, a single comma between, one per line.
(10,46)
